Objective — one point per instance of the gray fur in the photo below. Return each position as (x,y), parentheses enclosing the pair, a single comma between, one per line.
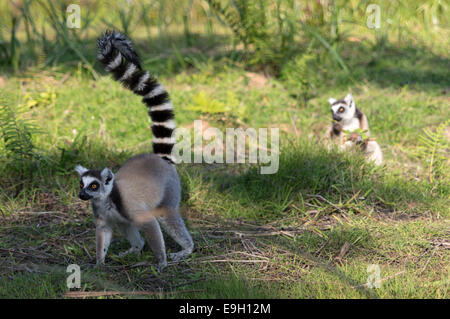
(144,193)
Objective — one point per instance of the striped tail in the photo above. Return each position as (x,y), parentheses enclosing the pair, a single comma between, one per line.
(116,53)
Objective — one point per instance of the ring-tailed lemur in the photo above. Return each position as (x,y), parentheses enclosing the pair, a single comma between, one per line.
(347,118)
(145,192)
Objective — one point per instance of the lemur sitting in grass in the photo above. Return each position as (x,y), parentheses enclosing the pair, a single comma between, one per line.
(350,128)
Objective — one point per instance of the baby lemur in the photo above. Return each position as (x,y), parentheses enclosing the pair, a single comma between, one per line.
(347,120)
(145,192)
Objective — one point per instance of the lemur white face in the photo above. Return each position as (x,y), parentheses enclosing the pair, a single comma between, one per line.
(95,184)
(342,110)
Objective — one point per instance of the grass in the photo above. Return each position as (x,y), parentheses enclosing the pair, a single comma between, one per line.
(309,231)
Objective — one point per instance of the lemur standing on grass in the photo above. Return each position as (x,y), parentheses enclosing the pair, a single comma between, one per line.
(145,192)
(348,120)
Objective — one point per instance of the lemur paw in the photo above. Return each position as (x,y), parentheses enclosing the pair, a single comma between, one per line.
(160,267)
(178,256)
(129,251)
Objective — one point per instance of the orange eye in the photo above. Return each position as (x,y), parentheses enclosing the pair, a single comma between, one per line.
(94,186)
(341,109)
(81,185)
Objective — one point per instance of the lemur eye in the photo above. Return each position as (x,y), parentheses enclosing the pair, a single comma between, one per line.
(94,186)
(81,185)
(341,109)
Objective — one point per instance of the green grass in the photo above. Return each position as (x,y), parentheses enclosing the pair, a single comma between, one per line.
(256,236)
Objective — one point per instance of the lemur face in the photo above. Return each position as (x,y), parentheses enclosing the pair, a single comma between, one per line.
(94,184)
(342,110)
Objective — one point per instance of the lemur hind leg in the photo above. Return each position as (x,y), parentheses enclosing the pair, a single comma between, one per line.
(347,145)
(373,152)
(173,224)
(134,237)
(155,240)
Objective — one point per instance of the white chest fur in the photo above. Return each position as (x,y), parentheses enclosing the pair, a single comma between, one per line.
(351,125)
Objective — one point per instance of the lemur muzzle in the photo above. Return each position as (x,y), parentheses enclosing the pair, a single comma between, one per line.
(84,196)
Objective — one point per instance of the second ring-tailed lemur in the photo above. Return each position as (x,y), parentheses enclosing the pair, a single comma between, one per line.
(348,120)
(145,192)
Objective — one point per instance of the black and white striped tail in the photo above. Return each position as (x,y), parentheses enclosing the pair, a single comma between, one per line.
(117,54)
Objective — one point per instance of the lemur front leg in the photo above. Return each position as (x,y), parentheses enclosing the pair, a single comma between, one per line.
(103,234)
(134,237)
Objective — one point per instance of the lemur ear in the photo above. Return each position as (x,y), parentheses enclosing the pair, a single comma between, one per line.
(348,99)
(331,100)
(107,175)
(80,169)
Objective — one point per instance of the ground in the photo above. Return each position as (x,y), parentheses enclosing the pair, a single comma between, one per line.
(309,231)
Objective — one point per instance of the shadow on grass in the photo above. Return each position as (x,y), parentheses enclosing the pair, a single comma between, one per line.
(392,66)
(306,171)
(53,171)
(166,55)
(417,67)
(310,182)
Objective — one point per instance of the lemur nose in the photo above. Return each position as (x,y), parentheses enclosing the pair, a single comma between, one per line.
(336,117)
(84,196)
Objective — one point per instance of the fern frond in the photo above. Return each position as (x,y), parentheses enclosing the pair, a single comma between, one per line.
(16,134)
(433,149)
